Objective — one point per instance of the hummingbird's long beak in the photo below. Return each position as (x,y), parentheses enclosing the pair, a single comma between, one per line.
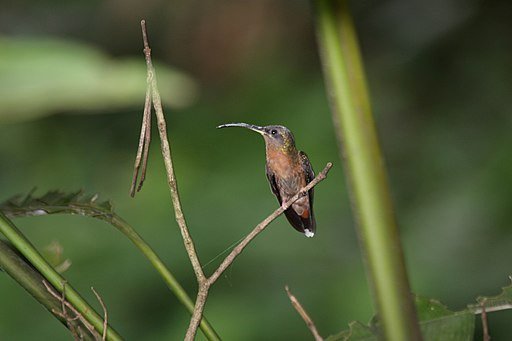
(252,127)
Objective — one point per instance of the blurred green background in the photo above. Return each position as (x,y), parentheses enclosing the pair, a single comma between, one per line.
(72,86)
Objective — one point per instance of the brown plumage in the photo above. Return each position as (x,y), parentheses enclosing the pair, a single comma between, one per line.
(288,170)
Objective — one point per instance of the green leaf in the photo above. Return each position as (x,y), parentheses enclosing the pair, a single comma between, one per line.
(429,309)
(356,331)
(44,76)
(437,323)
(456,326)
(494,303)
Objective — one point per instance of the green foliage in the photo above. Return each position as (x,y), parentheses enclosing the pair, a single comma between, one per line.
(54,202)
(366,173)
(437,323)
(429,309)
(30,279)
(58,202)
(458,326)
(356,331)
(60,76)
(440,92)
(494,303)
(22,245)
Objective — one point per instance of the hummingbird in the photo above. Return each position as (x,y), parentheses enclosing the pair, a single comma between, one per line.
(288,170)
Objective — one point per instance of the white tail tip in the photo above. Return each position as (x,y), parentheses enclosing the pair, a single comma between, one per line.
(308,233)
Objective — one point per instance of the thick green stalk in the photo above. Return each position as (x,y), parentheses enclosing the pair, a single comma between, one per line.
(23,245)
(14,265)
(365,170)
(87,205)
(167,276)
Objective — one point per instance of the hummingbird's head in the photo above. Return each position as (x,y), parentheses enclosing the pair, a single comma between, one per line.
(276,137)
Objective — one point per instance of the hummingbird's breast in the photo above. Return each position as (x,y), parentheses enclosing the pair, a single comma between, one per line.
(290,178)
(285,167)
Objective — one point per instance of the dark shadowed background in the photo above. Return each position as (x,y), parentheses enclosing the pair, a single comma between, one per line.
(72,84)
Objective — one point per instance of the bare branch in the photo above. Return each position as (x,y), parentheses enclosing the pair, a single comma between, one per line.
(202,295)
(261,226)
(302,312)
(65,304)
(204,287)
(203,282)
(153,95)
(63,313)
(105,314)
(166,152)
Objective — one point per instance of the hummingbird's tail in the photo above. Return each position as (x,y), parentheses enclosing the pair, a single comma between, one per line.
(305,224)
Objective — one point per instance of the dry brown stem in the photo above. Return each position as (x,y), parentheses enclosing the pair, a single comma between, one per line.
(166,153)
(485,326)
(105,314)
(302,312)
(77,333)
(144,141)
(204,287)
(204,283)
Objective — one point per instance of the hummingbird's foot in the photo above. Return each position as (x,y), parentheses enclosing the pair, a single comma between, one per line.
(308,233)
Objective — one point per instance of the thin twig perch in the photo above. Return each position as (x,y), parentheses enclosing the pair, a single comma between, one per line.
(204,287)
(204,282)
(302,312)
(261,226)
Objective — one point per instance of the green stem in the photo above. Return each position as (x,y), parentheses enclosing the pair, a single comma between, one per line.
(16,267)
(167,276)
(80,204)
(23,245)
(365,170)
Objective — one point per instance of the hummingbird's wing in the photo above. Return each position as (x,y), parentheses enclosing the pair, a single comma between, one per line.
(291,215)
(273,184)
(309,223)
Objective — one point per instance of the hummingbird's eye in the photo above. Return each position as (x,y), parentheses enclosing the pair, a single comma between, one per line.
(273,131)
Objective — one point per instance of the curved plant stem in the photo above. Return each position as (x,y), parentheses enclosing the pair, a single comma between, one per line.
(79,203)
(14,265)
(23,245)
(365,170)
(167,276)
(305,316)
